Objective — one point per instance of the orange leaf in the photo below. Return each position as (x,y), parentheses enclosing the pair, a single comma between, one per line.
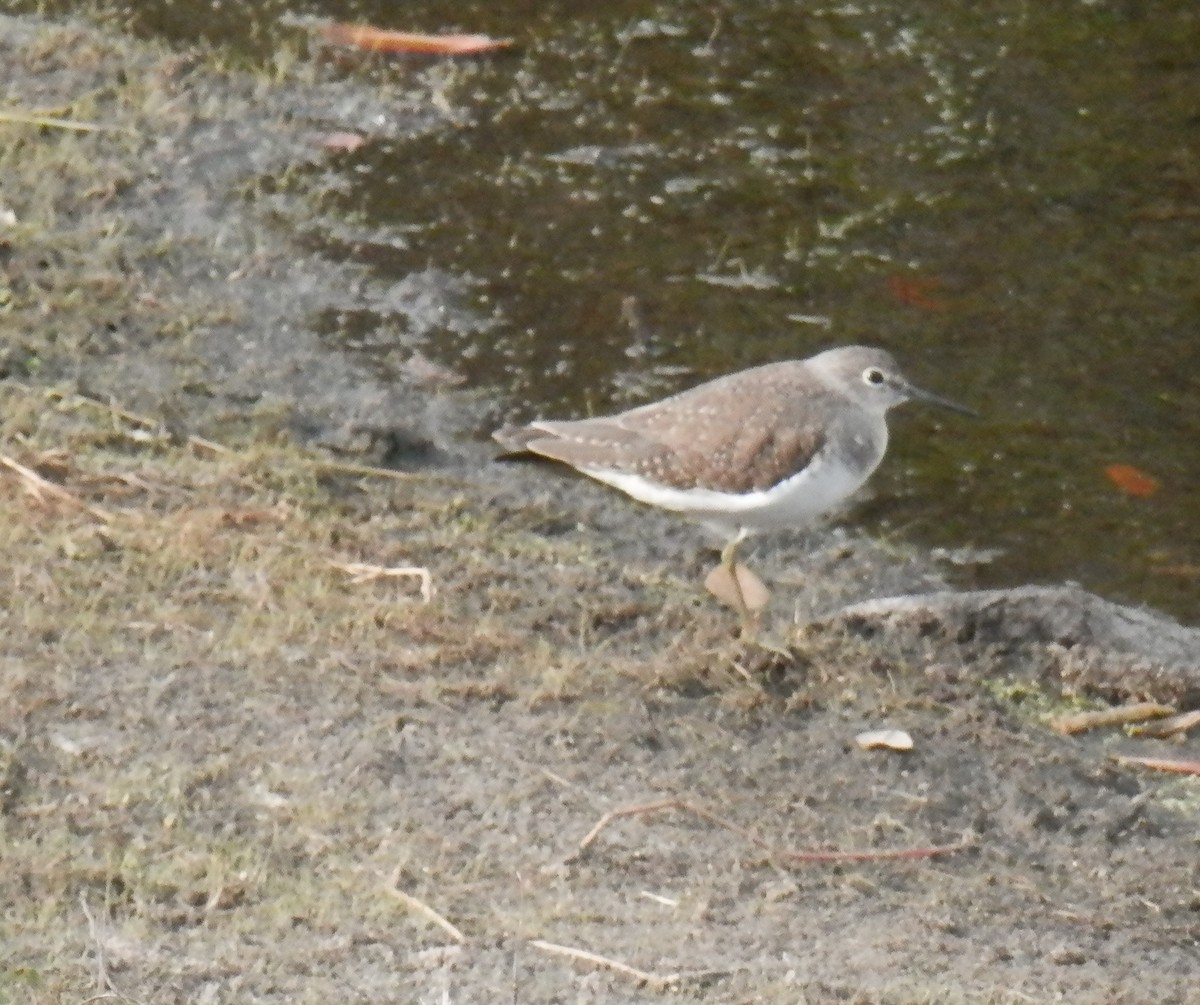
(381,40)
(915,292)
(1131,481)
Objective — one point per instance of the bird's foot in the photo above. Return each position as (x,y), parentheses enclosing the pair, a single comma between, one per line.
(738,587)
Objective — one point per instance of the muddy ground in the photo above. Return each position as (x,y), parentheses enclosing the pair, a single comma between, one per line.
(235,766)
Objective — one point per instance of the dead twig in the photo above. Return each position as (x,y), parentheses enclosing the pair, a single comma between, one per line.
(39,487)
(1157,764)
(1161,728)
(1120,715)
(658,981)
(878,854)
(872,855)
(419,907)
(361,572)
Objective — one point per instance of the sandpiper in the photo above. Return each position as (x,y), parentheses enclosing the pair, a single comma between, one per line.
(768,448)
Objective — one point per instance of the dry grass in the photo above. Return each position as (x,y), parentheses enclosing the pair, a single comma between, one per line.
(75,284)
(226,762)
(204,712)
(157,662)
(237,766)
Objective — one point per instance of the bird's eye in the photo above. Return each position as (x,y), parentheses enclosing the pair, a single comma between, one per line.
(873,376)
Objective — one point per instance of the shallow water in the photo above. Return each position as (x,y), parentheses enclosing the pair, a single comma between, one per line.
(639,196)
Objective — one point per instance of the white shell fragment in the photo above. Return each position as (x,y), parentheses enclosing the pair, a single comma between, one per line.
(886,739)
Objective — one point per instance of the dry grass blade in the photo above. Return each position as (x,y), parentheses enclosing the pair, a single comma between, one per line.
(419,907)
(1081,722)
(40,487)
(102,977)
(55,122)
(362,572)
(659,981)
(873,855)
(343,468)
(144,422)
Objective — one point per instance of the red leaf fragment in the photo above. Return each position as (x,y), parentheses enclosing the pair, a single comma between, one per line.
(382,40)
(1131,481)
(915,291)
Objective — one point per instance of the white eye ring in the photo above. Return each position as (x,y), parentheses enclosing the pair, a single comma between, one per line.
(873,376)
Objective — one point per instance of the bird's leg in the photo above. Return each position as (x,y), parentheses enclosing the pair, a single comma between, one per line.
(737,587)
(729,564)
(725,583)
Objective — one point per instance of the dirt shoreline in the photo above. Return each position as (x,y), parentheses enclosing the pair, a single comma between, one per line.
(222,752)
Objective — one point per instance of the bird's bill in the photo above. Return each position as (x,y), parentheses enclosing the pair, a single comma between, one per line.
(918,394)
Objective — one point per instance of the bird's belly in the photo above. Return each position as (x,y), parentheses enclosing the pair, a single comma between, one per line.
(819,488)
(798,500)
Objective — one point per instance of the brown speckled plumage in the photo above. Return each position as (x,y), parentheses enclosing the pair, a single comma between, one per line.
(686,441)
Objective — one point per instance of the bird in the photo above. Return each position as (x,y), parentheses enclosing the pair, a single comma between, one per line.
(772,447)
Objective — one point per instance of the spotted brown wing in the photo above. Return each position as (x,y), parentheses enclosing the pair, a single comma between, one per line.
(740,433)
